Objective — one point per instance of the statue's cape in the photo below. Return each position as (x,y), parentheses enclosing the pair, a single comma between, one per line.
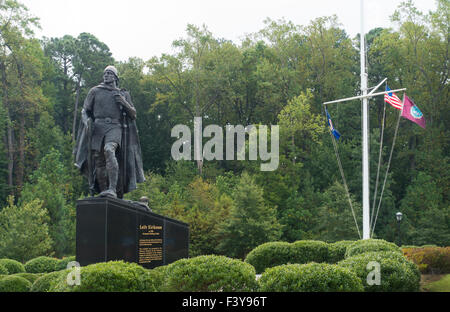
(130,145)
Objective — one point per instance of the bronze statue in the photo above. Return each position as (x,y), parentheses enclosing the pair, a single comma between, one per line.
(107,148)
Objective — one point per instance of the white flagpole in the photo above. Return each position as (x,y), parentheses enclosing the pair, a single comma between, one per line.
(365,132)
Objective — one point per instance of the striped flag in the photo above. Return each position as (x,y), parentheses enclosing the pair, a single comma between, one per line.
(393,99)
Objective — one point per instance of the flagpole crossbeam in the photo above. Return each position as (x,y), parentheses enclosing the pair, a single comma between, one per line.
(378,85)
(363,96)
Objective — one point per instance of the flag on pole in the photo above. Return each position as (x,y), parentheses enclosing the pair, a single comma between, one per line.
(392,99)
(336,134)
(412,112)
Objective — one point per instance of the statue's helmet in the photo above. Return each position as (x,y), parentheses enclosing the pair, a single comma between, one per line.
(113,69)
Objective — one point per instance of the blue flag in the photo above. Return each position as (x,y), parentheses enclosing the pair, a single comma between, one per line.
(336,133)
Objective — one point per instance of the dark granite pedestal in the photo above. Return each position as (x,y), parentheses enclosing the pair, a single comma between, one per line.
(114,229)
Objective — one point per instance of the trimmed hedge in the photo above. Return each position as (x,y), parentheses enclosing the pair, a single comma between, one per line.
(3,270)
(311,277)
(305,251)
(370,245)
(62,263)
(41,265)
(277,253)
(209,273)
(269,255)
(44,283)
(112,276)
(337,250)
(14,283)
(430,260)
(13,266)
(157,276)
(31,277)
(396,272)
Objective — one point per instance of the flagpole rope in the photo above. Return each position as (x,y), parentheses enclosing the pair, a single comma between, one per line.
(344,180)
(387,170)
(379,166)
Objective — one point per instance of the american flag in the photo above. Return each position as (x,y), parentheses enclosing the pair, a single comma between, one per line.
(393,99)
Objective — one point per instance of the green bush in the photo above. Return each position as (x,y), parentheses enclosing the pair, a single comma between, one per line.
(14,284)
(3,270)
(269,255)
(112,276)
(32,277)
(157,276)
(311,277)
(41,265)
(209,273)
(409,247)
(396,272)
(13,266)
(62,263)
(336,251)
(369,245)
(305,251)
(44,283)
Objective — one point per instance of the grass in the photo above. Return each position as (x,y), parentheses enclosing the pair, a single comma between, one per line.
(436,283)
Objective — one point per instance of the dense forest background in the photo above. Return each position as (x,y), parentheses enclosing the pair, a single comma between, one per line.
(280,75)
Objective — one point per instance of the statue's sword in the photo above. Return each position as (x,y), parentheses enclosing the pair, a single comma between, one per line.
(89,157)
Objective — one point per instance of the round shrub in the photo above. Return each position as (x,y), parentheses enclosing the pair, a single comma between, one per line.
(32,277)
(369,245)
(3,270)
(396,272)
(14,284)
(62,263)
(305,251)
(157,276)
(311,277)
(112,276)
(13,266)
(269,255)
(209,273)
(44,283)
(336,251)
(41,264)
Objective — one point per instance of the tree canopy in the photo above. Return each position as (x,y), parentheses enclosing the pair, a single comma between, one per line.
(280,75)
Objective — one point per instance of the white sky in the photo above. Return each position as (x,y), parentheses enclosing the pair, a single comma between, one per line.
(146,28)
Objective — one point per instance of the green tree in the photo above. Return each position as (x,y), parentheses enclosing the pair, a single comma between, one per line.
(205,211)
(427,216)
(335,220)
(4,188)
(50,183)
(24,233)
(299,127)
(250,223)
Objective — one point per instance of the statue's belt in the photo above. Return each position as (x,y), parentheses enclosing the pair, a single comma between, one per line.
(107,120)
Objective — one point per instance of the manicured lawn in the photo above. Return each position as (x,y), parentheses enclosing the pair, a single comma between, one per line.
(435,283)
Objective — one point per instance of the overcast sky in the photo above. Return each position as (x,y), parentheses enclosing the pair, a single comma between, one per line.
(146,28)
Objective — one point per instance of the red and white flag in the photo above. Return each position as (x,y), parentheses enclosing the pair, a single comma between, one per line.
(392,99)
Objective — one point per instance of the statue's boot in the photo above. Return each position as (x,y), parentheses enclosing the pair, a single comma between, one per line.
(102,178)
(111,191)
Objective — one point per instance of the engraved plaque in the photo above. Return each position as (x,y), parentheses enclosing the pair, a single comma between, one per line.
(114,229)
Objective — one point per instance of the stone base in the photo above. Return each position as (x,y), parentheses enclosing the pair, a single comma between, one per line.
(114,229)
